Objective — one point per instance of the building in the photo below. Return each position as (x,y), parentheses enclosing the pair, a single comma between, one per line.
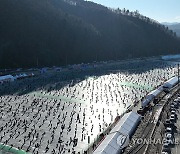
(6,78)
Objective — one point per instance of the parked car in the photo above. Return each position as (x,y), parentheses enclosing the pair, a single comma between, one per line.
(168,130)
(141,111)
(177,100)
(168,141)
(173,116)
(166,148)
(165,152)
(172,109)
(168,135)
(175,105)
(168,123)
(173,112)
(172,106)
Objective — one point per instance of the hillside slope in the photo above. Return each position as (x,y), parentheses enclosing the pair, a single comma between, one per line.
(60,32)
(175,28)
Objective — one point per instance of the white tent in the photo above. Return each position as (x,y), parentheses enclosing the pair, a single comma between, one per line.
(151,96)
(126,127)
(16,77)
(127,123)
(6,78)
(109,145)
(171,82)
(168,57)
(25,75)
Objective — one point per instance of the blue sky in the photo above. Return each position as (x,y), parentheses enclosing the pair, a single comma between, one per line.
(160,10)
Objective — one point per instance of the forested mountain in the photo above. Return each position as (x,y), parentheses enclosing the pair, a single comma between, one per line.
(175,28)
(59,32)
(169,23)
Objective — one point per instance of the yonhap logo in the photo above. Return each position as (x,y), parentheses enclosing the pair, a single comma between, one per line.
(123,140)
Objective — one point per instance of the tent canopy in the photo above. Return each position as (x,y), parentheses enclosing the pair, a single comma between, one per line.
(6,77)
(126,126)
(171,82)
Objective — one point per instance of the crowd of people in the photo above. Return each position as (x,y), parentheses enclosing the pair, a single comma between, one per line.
(45,114)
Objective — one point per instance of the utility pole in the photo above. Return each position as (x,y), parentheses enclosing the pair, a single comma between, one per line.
(178,73)
(66,59)
(37,62)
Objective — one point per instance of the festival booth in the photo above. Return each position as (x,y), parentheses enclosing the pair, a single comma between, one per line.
(171,82)
(21,76)
(6,78)
(151,96)
(118,138)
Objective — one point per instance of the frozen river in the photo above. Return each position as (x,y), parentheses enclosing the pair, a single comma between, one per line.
(49,115)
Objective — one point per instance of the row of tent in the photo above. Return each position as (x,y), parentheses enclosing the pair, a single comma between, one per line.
(118,138)
(171,82)
(151,96)
(165,87)
(10,78)
(24,75)
(6,78)
(169,57)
